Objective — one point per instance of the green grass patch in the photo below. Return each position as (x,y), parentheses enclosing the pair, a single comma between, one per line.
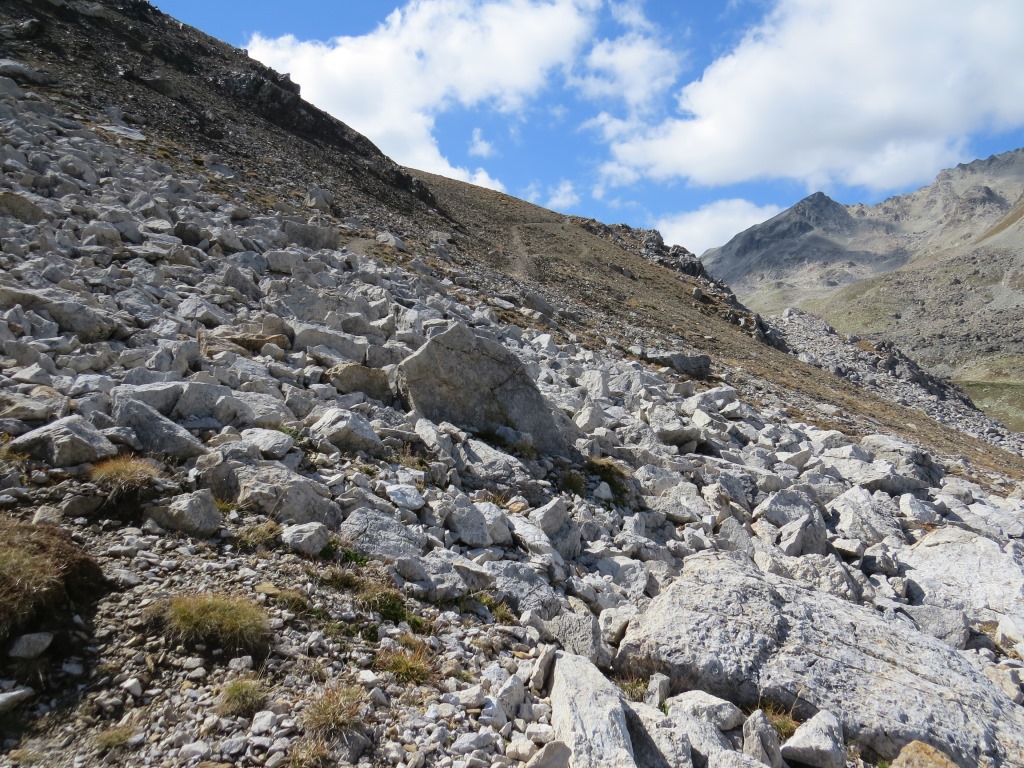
(243,697)
(235,624)
(1000,400)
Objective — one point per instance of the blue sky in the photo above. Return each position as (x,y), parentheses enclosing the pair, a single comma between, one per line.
(699,118)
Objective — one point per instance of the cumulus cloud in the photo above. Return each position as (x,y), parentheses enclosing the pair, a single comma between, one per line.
(713,224)
(391,84)
(634,68)
(869,93)
(562,196)
(479,146)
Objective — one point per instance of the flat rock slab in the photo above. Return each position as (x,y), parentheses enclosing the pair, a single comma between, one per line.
(726,628)
(961,570)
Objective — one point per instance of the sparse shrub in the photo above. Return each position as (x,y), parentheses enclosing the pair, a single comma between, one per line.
(259,535)
(386,601)
(235,624)
(311,753)
(336,712)
(224,506)
(292,600)
(125,476)
(114,738)
(40,569)
(573,482)
(633,688)
(242,697)
(610,472)
(782,720)
(408,667)
(498,609)
(11,461)
(339,578)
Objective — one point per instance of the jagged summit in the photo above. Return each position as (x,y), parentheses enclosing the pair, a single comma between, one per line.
(309,460)
(937,270)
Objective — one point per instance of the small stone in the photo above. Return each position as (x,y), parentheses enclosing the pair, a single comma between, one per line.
(263,722)
(134,686)
(30,646)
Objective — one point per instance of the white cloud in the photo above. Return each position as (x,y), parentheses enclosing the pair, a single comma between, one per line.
(563,196)
(430,56)
(479,146)
(871,92)
(713,224)
(634,68)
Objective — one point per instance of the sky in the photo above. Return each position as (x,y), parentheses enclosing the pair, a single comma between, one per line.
(699,118)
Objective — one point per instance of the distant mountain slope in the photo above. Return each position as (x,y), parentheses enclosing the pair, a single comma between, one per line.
(940,270)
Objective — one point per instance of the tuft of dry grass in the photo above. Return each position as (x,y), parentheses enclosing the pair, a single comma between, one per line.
(633,688)
(125,475)
(336,712)
(416,666)
(242,697)
(782,720)
(386,601)
(259,535)
(234,624)
(115,738)
(40,569)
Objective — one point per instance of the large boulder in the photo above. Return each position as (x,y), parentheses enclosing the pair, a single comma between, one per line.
(271,489)
(479,386)
(725,628)
(192,513)
(960,570)
(587,714)
(65,442)
(156,433)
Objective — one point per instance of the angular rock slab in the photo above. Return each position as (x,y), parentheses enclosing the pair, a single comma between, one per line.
(961,570)
(65,442)
(477,385)
(587,714)
(725,628)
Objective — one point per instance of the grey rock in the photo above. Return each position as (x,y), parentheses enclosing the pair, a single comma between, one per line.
(30,646)
(656,739)
(11,699)
(192,513)
(722,714)
(949,625)
(353,377)
(65,442)
(381,536)
(817,742)
(523,588)
(272,443)
(479,386)
(270,489)
(865,516)
(348,431)
(307,538)
(157,434)
(468,523)
(760,741)
(961,570)
(579,634)
(729,630)
(555,754)
(587,714)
